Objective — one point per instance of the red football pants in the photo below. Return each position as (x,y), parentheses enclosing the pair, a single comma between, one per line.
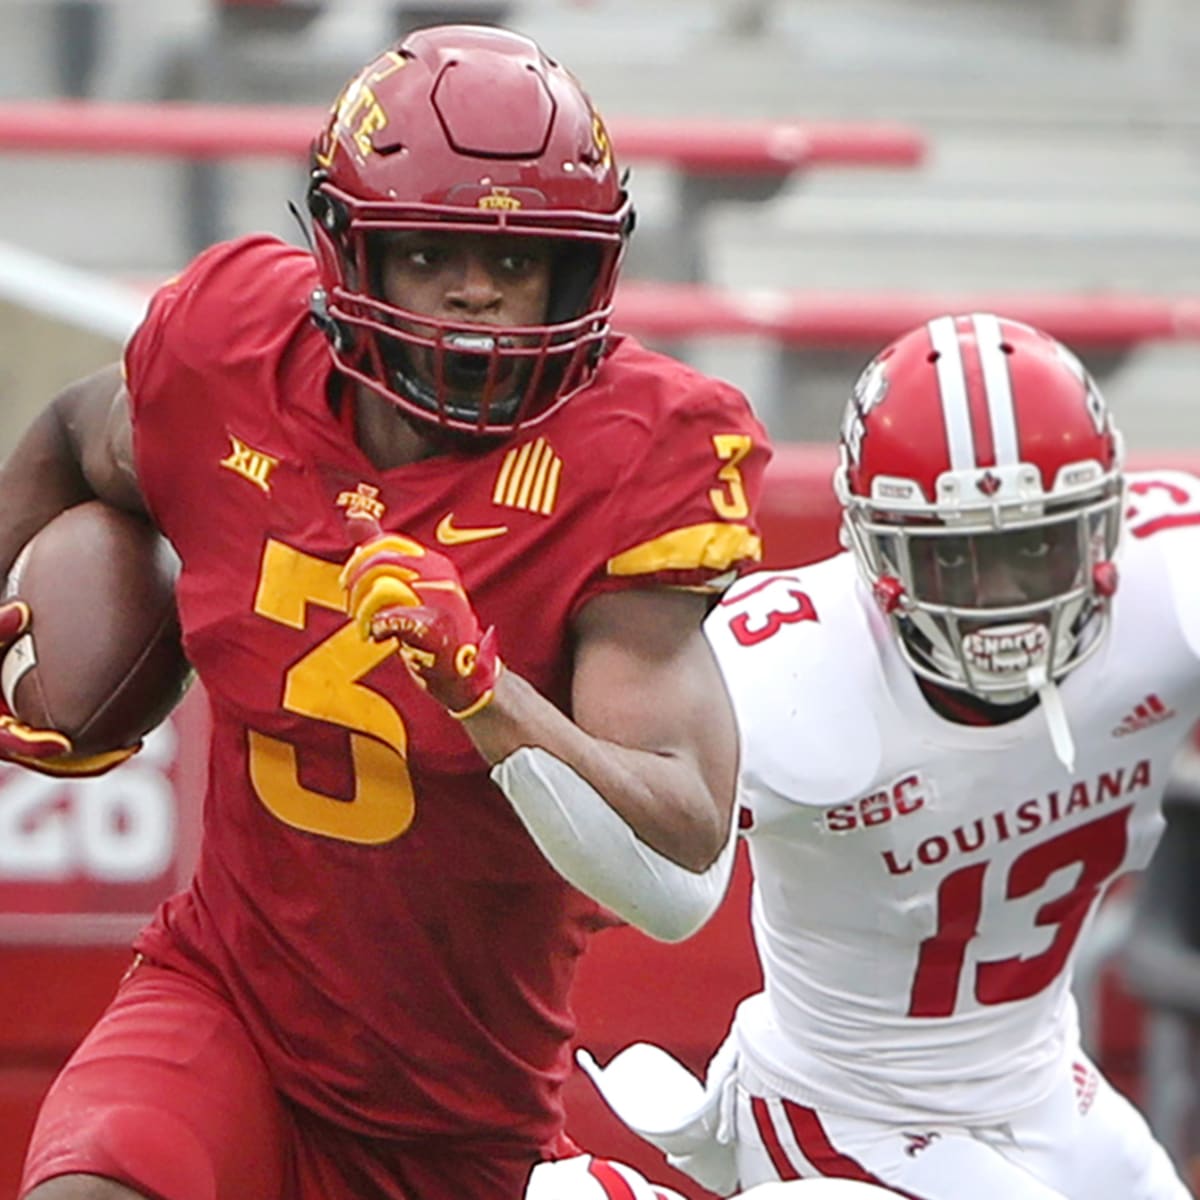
(168,1096)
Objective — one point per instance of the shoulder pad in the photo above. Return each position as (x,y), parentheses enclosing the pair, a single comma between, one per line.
(801,664)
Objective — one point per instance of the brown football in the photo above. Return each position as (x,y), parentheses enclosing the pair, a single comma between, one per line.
(102,660)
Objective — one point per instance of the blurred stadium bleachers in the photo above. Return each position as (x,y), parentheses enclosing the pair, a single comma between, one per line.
(1059,162)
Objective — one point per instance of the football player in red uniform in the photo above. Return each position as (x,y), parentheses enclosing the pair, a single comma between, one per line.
(435,520)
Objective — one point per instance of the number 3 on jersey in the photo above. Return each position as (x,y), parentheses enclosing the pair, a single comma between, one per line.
(324,685)
(1156,503)
(729,500)
(767,607)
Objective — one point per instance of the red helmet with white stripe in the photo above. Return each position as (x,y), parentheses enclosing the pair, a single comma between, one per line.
(981,478)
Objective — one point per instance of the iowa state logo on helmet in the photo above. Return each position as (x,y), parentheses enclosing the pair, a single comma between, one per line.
(357,114)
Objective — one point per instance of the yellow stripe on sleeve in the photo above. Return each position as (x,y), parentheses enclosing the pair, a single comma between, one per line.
(715,545)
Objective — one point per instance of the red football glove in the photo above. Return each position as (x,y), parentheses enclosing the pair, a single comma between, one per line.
(43,750)
(397,588)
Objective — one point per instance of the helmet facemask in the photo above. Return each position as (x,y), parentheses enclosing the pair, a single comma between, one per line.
(471,376)
(995,596)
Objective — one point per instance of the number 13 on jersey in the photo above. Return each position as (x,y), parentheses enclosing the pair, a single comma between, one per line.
(1094,852)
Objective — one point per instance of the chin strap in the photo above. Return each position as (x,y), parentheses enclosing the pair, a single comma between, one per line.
(1056,716)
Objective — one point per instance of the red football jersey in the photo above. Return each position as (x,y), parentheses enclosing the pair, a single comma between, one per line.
(398,948)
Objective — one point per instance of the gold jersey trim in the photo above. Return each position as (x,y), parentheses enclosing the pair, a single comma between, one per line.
(529,478)
(714,545)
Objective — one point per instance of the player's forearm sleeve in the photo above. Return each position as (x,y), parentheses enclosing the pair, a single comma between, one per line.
(593,848)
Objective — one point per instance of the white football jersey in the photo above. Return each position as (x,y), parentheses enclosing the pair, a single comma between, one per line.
(921,885)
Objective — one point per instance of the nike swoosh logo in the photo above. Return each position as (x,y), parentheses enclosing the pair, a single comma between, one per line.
(450,534)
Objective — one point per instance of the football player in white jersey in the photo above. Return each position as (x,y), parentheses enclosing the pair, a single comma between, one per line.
(954,736)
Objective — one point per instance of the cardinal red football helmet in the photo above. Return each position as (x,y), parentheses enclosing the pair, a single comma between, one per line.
(471,129)
(981,478)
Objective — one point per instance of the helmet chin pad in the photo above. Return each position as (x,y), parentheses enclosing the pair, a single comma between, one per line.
(1007,650)
(469,376)
(1000,663)
(461,384)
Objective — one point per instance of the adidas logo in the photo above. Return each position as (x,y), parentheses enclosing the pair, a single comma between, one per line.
(1151,711)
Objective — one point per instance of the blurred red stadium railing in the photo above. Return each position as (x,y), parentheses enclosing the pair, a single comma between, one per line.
(190,130)
(659,311)
(851,320)
(714,160)
(820,336)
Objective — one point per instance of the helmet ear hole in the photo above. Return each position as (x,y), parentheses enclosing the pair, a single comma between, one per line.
(327,212)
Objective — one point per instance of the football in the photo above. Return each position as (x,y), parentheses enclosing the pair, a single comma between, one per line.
(102,660)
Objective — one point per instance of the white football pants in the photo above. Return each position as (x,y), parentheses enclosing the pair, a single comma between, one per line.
(1083,1142)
